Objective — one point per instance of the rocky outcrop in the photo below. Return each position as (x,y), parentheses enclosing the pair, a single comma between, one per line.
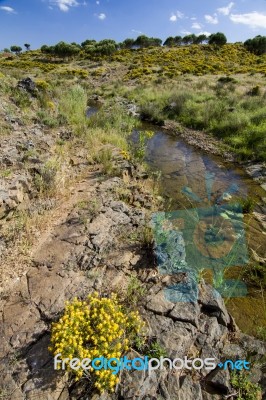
(91,251)
(28,85)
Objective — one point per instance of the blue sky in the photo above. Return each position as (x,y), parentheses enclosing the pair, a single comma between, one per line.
(48,21)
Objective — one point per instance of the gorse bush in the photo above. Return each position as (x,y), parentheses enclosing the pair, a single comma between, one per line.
(93,328)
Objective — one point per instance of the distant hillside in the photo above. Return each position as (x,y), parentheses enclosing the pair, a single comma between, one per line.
(145,63)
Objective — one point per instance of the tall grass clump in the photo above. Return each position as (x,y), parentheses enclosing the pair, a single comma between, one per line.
(111,125)
(72,107)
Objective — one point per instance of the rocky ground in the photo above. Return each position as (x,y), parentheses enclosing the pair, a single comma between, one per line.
(91,249)
(93,238)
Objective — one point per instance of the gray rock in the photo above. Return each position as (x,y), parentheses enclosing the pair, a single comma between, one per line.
(213,304)
(21,323)
(220,379)
(233,351)
(158,303)
(214,331)
(27,84)
(117,218)
(189,390)
(137,384)
(170,386)
(178,340)
(211,396)
(254,347)
(119,206)
(187,312)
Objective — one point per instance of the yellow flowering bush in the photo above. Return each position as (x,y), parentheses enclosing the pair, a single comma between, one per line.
(93,328)
(125,155)
(51,105)
(41,84)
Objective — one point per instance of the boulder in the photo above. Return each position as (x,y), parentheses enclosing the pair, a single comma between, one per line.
(27,84)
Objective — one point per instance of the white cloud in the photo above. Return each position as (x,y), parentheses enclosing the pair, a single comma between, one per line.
(64,5)
(97,2)
(253,19)
(185,32)
(193,19)
(179,15)
(175,16)
(211,19)
(226,10)
(102,16)
(135,31)
(203,33)
(9,10)
(196,25)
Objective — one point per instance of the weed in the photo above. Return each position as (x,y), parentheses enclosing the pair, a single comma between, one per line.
(94,207)
(135,290)
(261,333)
(5,173)
(19,225)
(256,275)
(21,98)
(146,237)
(138,148)
(156,350)
(245,388)
(105,157)
(72,108)
(45,118)
(46,180)
(247,204)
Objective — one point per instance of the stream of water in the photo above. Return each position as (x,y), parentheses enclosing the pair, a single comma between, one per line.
(192,179)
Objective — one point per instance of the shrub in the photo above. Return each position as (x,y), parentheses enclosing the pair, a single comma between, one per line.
(138,148)
(104,157)
(21,98)
(93,328)
(46,119)
(255,91)
(46,180)
(41,84)
(226,79)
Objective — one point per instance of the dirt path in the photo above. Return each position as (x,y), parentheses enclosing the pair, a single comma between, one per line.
(17,259)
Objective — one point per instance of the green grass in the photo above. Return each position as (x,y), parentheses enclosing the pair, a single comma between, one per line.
(233,116)
(199,86)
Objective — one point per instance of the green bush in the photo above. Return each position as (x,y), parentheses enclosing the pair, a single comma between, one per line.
(245,388)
